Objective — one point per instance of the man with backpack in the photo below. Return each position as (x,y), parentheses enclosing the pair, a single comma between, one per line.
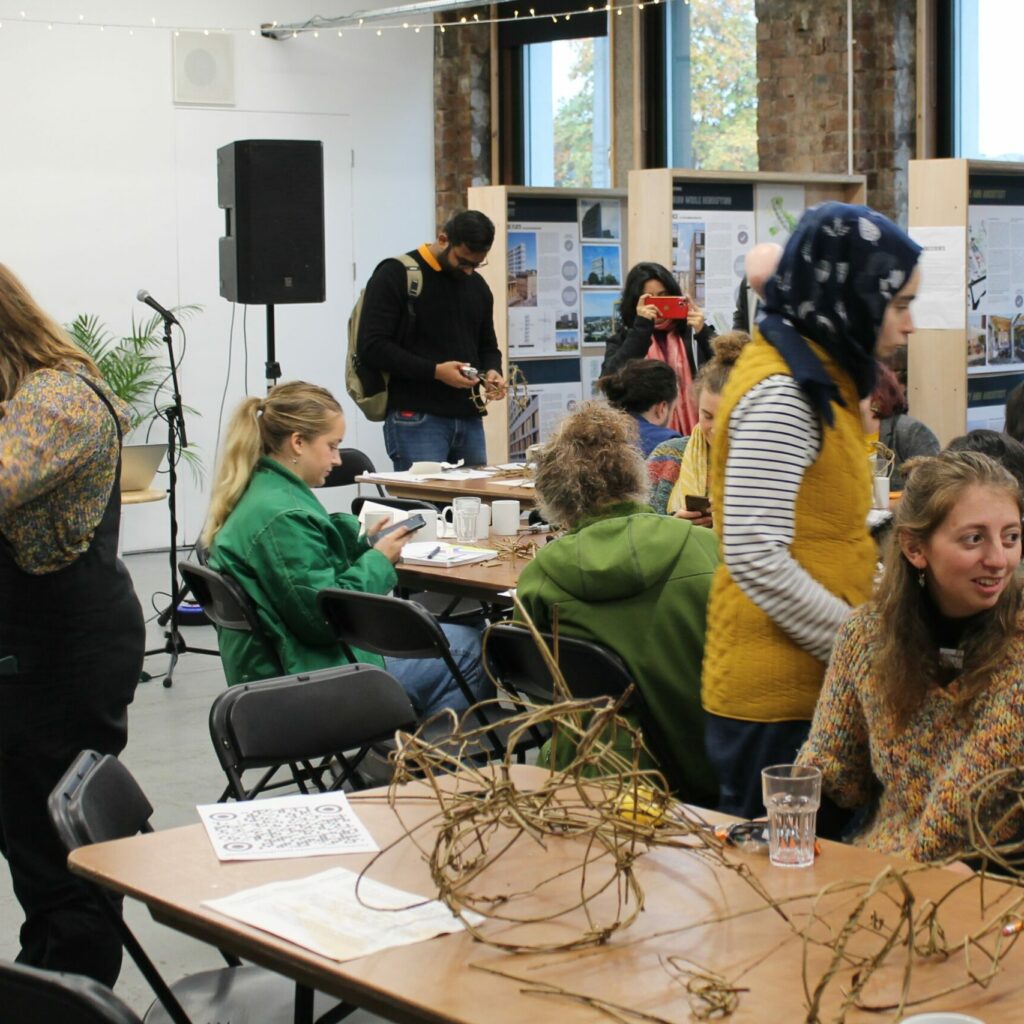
(425,338)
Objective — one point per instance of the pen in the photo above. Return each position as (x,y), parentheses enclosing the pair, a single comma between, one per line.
(435,551)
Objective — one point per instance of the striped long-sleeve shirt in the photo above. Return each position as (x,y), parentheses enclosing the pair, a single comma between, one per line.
(774,436)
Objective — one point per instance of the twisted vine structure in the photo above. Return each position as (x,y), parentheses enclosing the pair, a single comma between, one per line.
(615,812)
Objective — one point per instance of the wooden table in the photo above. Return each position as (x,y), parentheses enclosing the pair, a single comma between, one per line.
(480,581)
(442,491)
(692,910)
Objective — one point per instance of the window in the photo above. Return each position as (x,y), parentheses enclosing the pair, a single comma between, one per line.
(707,74)
(986,38)
(556,106)
(566,115)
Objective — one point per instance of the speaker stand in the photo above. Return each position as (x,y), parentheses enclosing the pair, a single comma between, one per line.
(273,366)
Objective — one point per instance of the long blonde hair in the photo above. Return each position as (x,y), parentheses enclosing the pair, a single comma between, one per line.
(907,662)
(29,338)
(261,426)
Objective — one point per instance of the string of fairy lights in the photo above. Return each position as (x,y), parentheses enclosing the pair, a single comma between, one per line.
(321,27)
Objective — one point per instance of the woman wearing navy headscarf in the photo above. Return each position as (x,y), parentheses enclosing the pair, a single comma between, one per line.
(790,474)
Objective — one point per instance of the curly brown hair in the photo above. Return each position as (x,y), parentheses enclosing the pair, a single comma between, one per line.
(591,462)
(907,662)
(715,372)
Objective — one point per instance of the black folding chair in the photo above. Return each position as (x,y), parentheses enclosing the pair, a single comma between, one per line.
(353,463)
(337,715)
(98,800)
(589,669)
(32,996)
(397,628)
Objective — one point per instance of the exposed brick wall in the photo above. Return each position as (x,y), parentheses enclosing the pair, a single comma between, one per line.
(802,91)
(462,110)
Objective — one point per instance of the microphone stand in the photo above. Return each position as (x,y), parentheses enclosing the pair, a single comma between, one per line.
(174,643)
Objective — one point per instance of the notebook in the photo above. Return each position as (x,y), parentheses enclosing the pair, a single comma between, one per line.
(139,463)
(443,554)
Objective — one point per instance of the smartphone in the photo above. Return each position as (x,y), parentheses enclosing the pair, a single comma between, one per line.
(411,524)
(697,503)
(671,307)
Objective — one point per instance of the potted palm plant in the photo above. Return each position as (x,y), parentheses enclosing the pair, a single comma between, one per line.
(136,368)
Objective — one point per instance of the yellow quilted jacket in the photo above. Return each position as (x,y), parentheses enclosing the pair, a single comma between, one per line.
(753,671)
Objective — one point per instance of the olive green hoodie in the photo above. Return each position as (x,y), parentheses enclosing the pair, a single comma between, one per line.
(638,583)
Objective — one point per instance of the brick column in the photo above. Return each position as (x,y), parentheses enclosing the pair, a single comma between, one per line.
(802,91)
(462,110)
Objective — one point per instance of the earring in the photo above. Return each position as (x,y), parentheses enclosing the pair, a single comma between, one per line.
(920,577)
(295,462)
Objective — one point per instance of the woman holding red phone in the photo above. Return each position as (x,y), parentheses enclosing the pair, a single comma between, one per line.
(646,333)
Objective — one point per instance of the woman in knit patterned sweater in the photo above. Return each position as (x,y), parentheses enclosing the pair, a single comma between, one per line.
(924,693)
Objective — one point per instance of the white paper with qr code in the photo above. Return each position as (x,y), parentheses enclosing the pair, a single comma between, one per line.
(303,825)
(323,913)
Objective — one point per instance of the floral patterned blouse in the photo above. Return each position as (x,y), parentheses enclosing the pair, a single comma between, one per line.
(58,456)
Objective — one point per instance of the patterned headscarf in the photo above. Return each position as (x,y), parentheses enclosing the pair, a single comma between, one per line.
(840,270)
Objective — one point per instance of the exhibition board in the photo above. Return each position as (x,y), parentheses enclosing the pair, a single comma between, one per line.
(556,271)
(968,350)
(701,224)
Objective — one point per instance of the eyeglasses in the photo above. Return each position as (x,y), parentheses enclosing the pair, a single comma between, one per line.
(464,264)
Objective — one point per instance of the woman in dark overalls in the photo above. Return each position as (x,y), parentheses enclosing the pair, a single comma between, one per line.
(71,628)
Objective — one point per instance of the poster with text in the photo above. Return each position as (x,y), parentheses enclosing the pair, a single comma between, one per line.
(995,274)
(553,388)
(544,272)
(713,227)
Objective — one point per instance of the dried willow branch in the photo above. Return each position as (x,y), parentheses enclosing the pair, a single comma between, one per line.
(617,811)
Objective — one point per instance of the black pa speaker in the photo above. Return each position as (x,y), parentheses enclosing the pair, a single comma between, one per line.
(272,192)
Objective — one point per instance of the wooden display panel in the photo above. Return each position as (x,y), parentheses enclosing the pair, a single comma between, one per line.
(938,378)
(493,200)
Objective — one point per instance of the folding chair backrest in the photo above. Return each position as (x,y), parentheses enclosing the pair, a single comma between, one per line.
(31,996)
(98,799)
(305,716)
(225,602)
(353,463)
(589,669)
(382,624)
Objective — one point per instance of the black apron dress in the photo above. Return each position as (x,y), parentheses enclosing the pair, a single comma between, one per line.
(77,636)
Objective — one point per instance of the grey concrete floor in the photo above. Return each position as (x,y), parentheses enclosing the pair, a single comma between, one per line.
(170,754)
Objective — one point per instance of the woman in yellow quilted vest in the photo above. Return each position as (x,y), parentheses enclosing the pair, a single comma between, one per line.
(789,473)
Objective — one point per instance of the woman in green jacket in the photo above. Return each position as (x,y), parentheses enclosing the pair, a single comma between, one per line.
(267,530)
(627,578)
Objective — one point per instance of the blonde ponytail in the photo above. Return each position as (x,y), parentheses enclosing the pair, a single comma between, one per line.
(243,446)
(261,426)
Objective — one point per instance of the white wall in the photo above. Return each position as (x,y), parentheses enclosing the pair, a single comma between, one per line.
(107,187)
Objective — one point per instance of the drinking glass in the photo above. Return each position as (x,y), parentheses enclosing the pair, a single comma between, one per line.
(792,794)
(465,516)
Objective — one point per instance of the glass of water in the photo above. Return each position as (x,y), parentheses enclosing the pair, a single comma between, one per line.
(465,514)
(792,794)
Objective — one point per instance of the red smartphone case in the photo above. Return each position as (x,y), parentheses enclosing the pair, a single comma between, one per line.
(672,307)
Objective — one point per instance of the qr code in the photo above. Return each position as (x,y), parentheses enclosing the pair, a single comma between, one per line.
(259,830)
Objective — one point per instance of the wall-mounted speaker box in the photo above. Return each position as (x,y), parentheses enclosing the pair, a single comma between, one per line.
(204,69)
(272,192)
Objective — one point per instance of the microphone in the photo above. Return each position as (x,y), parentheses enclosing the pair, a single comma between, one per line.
(144,296)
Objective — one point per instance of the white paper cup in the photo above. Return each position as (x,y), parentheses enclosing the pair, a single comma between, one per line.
(881,491)
(483,522)
(505,518)
(429,530)
(371,519)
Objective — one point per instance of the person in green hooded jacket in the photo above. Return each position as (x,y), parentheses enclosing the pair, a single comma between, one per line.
(627,578)
(267,530)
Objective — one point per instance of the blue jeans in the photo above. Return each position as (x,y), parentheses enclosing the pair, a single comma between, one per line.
(430,685)
(421,437)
